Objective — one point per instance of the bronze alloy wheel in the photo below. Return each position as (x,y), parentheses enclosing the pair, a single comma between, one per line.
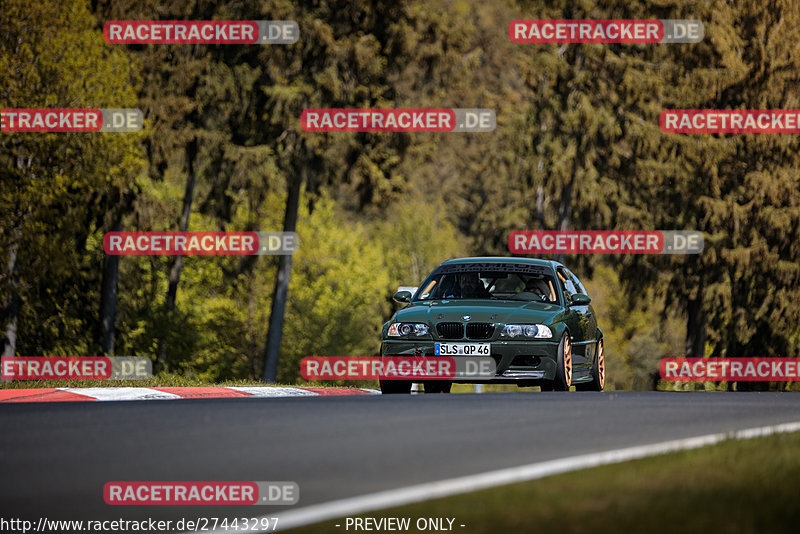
(601,365)
(563,378)
(598,372)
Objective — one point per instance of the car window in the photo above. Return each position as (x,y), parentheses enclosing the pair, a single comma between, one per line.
(425,292)
(566,283)
(494,285)
(462,286)
(578,285)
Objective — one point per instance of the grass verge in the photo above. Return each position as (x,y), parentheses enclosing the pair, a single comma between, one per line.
(159,380)
(749,486)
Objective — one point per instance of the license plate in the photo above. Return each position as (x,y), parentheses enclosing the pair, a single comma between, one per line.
(462,349)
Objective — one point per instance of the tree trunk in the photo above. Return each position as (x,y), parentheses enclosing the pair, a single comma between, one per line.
(12,305)
(696,326)
(565,204)
(281,292)
(108,302)
(177,263)
(108,296)
(540,207)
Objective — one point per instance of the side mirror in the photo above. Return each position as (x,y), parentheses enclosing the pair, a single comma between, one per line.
(580,299)
(402,297)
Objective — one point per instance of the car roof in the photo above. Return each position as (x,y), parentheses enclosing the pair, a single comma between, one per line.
(504,259)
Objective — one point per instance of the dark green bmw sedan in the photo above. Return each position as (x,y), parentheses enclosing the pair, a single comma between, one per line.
(533,317)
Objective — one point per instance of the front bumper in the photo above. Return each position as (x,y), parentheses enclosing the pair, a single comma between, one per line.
(528,361)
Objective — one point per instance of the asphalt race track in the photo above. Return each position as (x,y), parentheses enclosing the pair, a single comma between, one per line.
(56,457)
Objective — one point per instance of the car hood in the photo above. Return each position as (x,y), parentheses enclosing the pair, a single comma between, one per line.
(493,311)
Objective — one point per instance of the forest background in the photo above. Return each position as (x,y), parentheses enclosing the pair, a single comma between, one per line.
(577,146)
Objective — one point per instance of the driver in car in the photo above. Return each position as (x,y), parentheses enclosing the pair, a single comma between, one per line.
(472,287)
(538,287)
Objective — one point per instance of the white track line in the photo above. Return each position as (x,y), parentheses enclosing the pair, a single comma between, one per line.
(266,391)
(123,394)
(466,484)
(140,393)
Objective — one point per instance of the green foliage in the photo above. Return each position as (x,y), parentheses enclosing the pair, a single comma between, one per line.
(742,191)
(577,146)
(743,486)
(58,189)
(637,332)
(337,293)
(416,236)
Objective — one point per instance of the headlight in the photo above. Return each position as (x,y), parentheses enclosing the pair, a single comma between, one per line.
(538,331)
(408,329)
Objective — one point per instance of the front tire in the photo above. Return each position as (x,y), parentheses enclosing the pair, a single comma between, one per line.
(598,373)
(563,378)
(392,387)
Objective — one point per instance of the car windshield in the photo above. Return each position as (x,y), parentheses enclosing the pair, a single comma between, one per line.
(489,284)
